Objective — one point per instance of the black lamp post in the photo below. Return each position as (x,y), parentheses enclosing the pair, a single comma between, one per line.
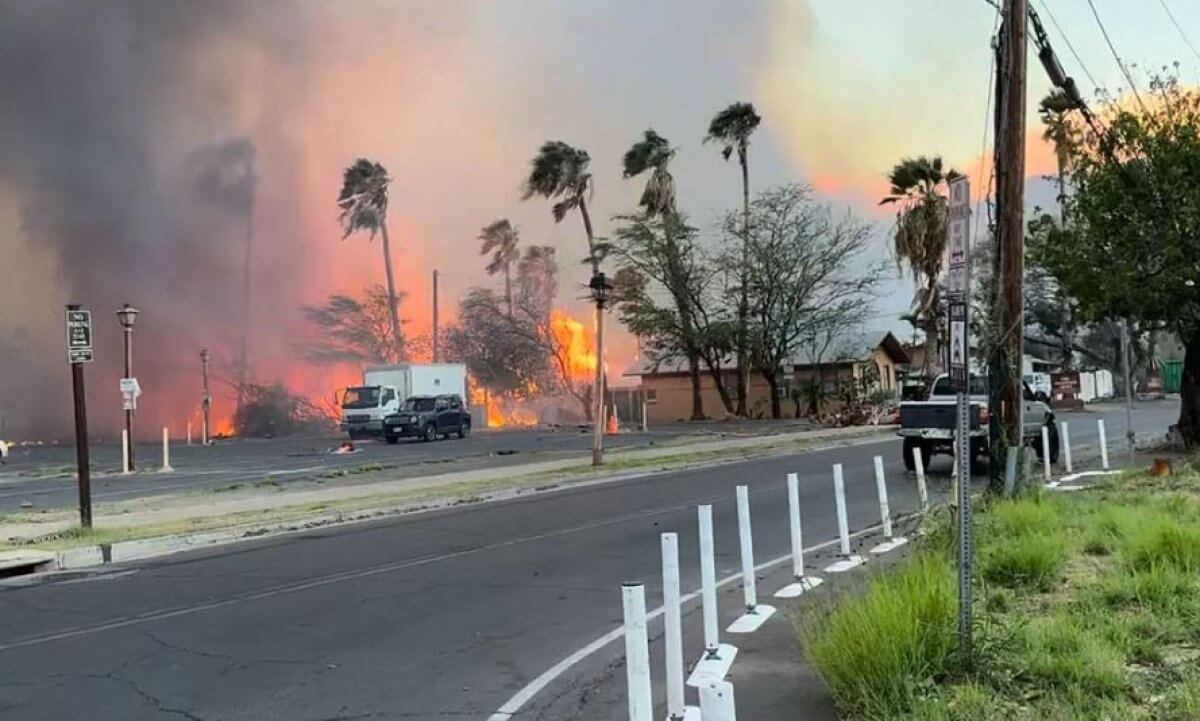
(127,316)
(601,290)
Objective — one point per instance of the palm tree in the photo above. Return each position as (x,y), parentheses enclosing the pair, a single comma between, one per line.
(920,237)
(560,173)
(500,239)
(653,153)
(363,206)
(1054,109)
(732,128)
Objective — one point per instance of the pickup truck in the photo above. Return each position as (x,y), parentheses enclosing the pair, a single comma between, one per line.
(427,418)
(929,425)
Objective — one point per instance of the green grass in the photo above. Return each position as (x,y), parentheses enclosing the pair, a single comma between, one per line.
(1087,608)
(873,651)
(1033,561)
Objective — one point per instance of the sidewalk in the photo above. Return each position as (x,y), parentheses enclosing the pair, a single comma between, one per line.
(264,507)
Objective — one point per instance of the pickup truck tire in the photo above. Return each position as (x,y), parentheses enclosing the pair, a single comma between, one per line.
(464,429)
(430,434)
(392,440)
(926,454)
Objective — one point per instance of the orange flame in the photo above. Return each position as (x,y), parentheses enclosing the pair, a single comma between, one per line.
(575,348)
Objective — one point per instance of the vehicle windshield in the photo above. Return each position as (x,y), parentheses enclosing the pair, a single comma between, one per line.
(367,397)
(942,387)
(418,404)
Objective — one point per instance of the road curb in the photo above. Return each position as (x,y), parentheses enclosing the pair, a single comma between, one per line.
(141,549)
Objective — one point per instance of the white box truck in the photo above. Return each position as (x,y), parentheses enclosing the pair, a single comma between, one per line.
(385,387)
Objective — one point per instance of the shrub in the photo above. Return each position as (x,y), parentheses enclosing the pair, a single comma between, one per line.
(1164,541)
(1024,561)
(876,650)
(1161,587)
(1024,517)
(1061,653)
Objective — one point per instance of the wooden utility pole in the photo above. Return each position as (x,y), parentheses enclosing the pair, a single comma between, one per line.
(436,349)
(1010,227)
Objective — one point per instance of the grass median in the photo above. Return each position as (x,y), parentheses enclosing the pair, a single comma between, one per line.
(1087,606)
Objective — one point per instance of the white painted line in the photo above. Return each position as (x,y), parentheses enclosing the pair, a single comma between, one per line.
(751,621)
(518,700)
(714,668)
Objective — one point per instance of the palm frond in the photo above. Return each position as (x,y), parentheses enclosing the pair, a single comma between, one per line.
(363,199)
(732,127)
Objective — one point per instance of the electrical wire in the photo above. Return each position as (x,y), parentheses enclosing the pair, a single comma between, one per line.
(1179,27)
(1067,40)
(1116,56)
(987,126)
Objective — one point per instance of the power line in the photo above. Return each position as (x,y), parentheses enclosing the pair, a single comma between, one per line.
(1179,27)
(987,124)
(1067,40)
(1116,56)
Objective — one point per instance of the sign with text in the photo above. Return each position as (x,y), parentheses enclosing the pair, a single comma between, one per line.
(79,336)
(130,390)
(958,239)
(959,369)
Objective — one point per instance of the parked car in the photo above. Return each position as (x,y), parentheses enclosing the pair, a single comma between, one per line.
(428,418)
(929,425)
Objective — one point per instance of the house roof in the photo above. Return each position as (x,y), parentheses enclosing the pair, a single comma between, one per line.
(853,347)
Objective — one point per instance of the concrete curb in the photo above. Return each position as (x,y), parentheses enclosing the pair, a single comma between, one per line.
(141,549)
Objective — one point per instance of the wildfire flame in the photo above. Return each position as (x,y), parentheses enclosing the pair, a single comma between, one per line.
(576,351)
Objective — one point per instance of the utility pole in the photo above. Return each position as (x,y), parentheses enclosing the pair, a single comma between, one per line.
(1010,229)
(205,400)
(1130,436)
(436,355)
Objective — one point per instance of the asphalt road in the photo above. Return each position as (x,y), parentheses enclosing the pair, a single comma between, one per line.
(44,476)
(443,615)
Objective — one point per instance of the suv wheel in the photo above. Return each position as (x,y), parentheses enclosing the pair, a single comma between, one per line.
(464,429)
(392,440)
(430,433)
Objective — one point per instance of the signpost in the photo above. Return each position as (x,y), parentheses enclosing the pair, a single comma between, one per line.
(958,242)
(79,351)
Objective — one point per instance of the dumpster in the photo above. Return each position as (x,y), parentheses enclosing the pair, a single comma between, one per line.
(1172,375)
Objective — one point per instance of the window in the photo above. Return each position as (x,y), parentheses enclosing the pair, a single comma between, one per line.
(389,395)
(418,404)
(441,405)
(942,387)
(367,397)
(455,404)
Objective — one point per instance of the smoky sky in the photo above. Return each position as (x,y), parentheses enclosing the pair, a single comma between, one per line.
(89,137)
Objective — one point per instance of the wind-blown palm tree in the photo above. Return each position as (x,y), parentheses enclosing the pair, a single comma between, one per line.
(363,205)
(559,173)
(1054,110)
(920,237)
(653,154)
(732,128)
(500,238)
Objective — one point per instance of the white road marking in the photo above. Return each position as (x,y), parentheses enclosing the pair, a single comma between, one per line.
(518,700)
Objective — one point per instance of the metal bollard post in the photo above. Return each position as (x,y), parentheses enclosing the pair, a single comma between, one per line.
(802,582)
(1046,453)
(746,541)
(125,451)
(1010,471)
(1064,440)
(166,450)
(637,652)
(848,560)
(922,490)
(716,702)
(672,627)
(717,657)
(189,433)
(885,513)
(1103,443)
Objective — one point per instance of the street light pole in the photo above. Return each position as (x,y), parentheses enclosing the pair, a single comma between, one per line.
(205,400)
(127,315)
(600,287)
(436,347)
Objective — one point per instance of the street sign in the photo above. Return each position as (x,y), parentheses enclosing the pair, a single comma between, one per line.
(130,390)
(959,370)
(79,336)
(958,239)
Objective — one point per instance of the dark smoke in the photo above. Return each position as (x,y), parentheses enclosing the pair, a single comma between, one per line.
(111,139)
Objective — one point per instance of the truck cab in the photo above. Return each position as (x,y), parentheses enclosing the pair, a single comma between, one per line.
(365,407)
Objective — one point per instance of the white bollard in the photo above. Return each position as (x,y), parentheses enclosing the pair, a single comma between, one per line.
(125,451)
(189,433)
(717,656)
(1064,440)
(1103,444)
(802,582)
(645,421)
(1046,453)
(746,542)
(716,702)
(885,512)
(637,652)
(756,613)
(1010,471)
(672,628)
(166,453)
(922,490)
(848,561)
